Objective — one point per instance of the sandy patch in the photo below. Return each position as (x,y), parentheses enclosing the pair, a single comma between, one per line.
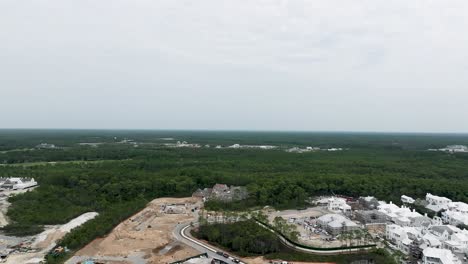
(148,232)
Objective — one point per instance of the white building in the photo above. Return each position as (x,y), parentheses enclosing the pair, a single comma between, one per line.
(458,242)
(45,146)
(430,240)
(402,236)
(456,213)
(18,183)
(336,223)
(437,203)
(455,148)
(407,199)
(402,215)
(338,205)
(439,256)
(444,232)
(455,218)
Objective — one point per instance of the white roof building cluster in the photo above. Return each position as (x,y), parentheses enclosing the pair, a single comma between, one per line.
(402,216)
(455,148)
(450,239)
(454,213)
(440,243)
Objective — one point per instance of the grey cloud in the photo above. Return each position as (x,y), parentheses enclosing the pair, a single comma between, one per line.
(258,64)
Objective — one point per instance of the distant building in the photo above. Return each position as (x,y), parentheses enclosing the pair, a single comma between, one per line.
(45,146)
(18,183)
(455,148)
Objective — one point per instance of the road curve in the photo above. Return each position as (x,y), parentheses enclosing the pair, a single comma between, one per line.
(314,251)
(181,234)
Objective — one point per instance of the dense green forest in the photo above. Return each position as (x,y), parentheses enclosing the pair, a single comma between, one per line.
(245,237)
(117,179)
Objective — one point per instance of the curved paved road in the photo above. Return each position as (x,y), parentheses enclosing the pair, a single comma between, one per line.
(314,251)
(182,233)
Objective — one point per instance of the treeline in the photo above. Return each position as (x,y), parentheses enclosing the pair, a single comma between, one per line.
(21,138)
(76,153)
(275,178)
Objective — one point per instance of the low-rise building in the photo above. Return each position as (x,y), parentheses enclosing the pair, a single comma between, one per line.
(368,202)
(402,215)
(456,213)
(407,199)
(439,256)
(443,232)
(370,217)
(458,242)
(336,224)
(402,236)
(338,205)
(437,203)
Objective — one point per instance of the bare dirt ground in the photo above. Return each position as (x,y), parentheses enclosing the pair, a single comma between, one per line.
(148,234)
(287,214)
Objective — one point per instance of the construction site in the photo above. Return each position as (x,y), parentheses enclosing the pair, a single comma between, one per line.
(146,237)
(33,249)
(322,226)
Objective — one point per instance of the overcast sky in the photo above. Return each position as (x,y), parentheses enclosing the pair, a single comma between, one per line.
(249,65)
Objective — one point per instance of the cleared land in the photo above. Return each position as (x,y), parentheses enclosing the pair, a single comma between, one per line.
(147,236)
(33,249)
